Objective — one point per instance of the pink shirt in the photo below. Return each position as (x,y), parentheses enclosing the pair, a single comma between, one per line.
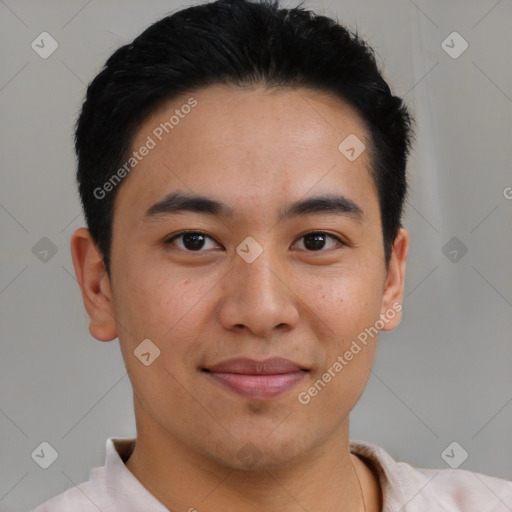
(113,488)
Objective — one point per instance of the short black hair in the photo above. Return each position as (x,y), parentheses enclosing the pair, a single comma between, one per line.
(236,43)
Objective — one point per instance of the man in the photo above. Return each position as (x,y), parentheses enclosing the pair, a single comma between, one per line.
(242,173)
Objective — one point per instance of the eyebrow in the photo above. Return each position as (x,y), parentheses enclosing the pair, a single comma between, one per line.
(179,202)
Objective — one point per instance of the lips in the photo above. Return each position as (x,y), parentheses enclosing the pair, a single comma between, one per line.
(257,379)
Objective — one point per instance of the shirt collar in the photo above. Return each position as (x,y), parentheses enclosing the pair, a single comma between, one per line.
(128,494)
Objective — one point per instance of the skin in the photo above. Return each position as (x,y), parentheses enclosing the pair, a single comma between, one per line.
(257,150)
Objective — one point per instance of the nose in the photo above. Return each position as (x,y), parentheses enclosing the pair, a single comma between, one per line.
(259,296)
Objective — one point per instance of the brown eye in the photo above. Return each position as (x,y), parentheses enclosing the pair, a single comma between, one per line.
(316,241)
(191,241)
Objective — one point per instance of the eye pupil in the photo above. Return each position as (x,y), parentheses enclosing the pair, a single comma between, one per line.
(193,241)
(318,241)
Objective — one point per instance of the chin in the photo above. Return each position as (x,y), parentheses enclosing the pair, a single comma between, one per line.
(260,449)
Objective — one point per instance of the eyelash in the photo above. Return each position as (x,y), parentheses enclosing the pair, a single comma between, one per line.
(181,233)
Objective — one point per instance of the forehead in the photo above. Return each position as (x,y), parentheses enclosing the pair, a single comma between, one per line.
(253,145)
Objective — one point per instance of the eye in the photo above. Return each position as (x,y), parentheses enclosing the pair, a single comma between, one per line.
(191,241)
(316,240)
(194,241)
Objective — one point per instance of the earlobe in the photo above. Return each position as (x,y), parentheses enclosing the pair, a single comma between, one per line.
(394,287)
(94,284)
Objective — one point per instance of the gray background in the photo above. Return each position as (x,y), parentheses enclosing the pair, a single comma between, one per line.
(444,375)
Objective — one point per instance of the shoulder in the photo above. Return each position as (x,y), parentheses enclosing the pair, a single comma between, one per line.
(85,497)
(110,488)
(420,490)
(459,490)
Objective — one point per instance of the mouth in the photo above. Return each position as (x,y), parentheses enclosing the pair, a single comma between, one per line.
(257,380)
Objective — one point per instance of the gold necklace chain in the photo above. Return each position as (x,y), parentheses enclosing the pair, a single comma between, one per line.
(360,486)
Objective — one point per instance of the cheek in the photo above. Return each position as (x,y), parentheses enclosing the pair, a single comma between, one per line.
(345,302)
(167,311)
(347,310)
(168,308)
(148,303)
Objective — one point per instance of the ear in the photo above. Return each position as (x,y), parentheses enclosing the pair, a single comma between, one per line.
(94,284)
(394,286)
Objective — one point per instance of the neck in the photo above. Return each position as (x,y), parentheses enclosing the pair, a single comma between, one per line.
(328,478)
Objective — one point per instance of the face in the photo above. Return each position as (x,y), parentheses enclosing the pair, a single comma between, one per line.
(264,315)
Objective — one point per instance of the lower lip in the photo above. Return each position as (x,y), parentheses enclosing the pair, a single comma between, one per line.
(260,387)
